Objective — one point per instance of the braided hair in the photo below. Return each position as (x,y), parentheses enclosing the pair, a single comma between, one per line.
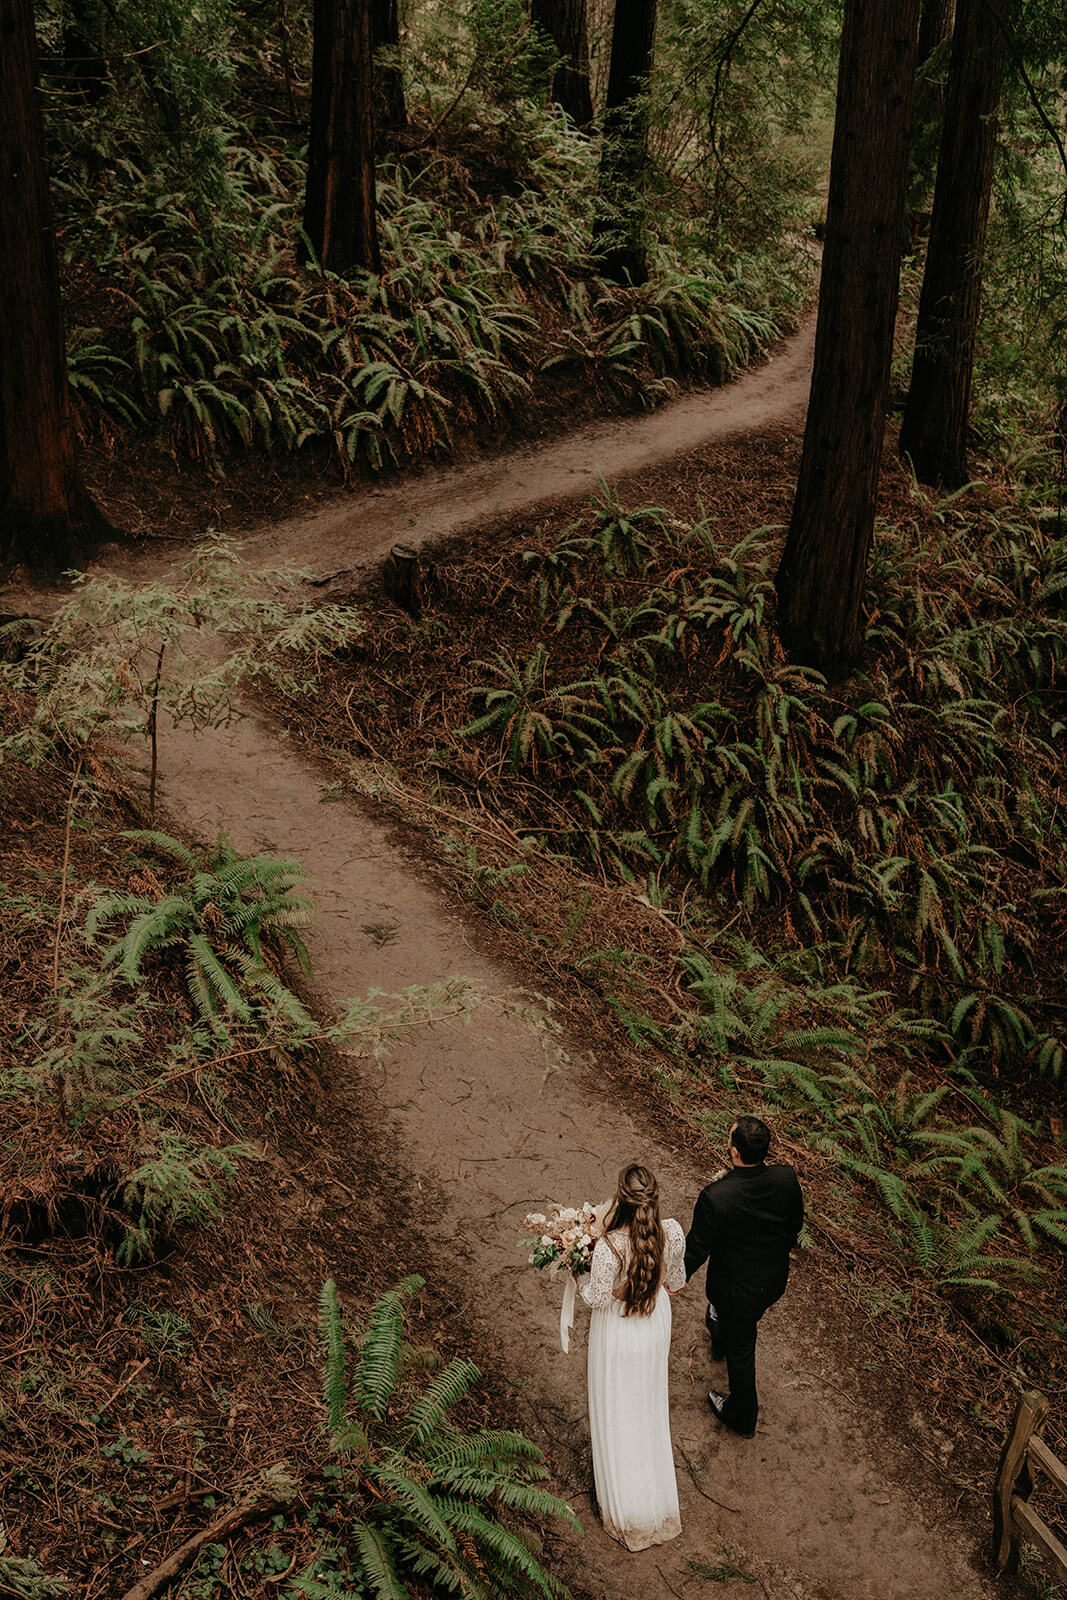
(636,1209)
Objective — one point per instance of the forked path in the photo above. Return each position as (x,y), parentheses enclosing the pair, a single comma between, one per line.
(819,1505)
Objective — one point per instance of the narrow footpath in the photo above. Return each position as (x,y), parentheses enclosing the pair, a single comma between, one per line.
(820,1506)
(354,532)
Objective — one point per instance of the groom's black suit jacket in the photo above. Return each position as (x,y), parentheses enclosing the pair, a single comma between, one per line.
(744,1226)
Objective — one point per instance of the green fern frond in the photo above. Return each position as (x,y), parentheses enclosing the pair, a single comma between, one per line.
(106,909)
(403,1490)
(445,1391)
(378,1562)
(218,978)
(379,1363)
(153,929)
(506,1554)
(163,844)
(261,980)
(467,1452)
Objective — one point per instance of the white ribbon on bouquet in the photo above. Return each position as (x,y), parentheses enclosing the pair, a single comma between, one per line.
(566,1316)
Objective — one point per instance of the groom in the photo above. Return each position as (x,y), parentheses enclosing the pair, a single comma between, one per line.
(744,1226)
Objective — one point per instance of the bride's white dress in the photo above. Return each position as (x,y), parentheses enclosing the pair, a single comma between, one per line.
(633,1463)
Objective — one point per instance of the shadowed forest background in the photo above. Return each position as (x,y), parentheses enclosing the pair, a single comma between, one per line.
(754,769)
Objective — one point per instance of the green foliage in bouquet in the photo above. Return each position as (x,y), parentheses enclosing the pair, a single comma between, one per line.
(566,1238)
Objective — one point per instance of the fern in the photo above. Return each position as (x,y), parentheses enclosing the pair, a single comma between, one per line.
(419,1498)
(422,1510)
(445,1391)
(380,1351)
(228,914)
(377,1562)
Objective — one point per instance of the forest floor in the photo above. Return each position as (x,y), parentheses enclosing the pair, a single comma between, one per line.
(845,1493)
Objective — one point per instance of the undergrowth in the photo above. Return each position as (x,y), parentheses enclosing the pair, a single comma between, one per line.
(214,338)
(420,1504)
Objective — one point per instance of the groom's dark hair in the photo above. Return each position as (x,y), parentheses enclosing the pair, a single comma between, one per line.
(751,1139)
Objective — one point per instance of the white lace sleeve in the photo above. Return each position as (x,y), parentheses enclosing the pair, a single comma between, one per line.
(673,1255)
(596,1289)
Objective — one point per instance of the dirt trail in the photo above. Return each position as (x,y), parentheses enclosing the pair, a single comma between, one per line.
(819,1505)
(810,1504)
(355,531)
(350,535)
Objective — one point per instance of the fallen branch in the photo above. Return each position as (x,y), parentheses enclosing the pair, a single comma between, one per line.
(275,1490)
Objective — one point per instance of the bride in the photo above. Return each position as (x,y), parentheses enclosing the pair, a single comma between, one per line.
(635,1264)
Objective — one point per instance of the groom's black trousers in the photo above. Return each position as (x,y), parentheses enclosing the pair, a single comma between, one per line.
(744,1226)
(739,1315)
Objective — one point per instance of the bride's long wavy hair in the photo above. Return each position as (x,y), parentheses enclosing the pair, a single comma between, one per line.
(636,1209)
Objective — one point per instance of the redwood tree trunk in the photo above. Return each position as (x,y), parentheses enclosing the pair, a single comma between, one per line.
(821,575)
(564,22)
(934,430)
(390,108)
(935,25)
(43,508)
(340,216)
(619,233)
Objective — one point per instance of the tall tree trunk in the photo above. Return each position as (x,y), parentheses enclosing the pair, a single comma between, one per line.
(564,22)
(934,430)
(391,111)
(821,575)
(935,25)
(340,215)
(44,511)
(619,232)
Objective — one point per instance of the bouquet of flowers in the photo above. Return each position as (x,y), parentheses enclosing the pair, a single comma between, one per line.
(564,1240)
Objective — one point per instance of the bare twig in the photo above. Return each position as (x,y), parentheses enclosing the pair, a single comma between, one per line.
(66,870)
(137,1367)
(668,1583)
(153,721)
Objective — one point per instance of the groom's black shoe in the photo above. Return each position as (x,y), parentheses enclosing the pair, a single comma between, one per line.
(717,1402)
(715,1334)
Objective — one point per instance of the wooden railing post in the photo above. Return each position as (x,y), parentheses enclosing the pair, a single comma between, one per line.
(1030,1413)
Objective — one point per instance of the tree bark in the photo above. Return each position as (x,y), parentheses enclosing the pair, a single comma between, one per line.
(934,430)
(564,21)
(391,110)
(340,214)
(620,232)
(935,25)
(928,111)
(44,511)
(821,575)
